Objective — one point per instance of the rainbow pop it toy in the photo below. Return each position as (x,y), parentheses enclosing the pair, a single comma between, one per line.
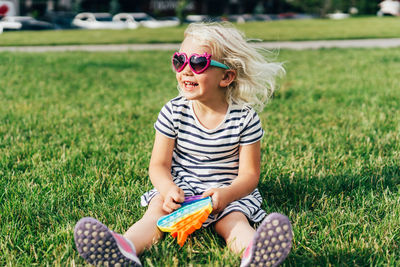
(187,219)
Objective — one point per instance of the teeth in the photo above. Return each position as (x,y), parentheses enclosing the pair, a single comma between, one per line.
(190,83)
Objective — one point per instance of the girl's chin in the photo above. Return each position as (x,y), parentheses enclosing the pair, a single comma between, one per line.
(188,95)
(189,88)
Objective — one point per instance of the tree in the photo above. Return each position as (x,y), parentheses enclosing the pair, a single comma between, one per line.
(180,9)
(322,7)
(114,6)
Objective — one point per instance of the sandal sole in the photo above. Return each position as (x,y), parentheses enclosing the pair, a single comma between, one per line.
(96,244)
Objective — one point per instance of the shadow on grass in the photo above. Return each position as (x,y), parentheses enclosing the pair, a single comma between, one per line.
(333,258)
(312,198)
(300,193)
(203,248)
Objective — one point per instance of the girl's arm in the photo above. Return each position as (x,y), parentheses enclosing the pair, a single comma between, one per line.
(245,182)
(160,172)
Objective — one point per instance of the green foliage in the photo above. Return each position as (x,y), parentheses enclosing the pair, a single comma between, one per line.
(114,6)
(76,135)
(322,7)
(180,10)
(309,6)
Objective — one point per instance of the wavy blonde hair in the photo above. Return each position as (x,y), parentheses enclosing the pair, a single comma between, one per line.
(255,79)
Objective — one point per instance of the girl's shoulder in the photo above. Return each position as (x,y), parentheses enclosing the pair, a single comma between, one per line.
(179,100)
(178,104)
(245,115)
(244,110)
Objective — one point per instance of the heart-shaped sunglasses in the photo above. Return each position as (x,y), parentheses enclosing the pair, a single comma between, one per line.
(197,63)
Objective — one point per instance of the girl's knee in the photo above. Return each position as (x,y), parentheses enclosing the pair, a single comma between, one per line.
(155,207)
(236,230)
(232,219)
(226,225)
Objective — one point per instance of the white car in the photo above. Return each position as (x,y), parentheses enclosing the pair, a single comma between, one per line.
(338,15)
(25,23)
(146,20)
(389,7)
(10,23)
(196,18)
(96,21)
(1,29)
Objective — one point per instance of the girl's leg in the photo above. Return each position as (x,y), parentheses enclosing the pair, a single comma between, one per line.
(236,231)
(268,246)
(100,246)
(145,232)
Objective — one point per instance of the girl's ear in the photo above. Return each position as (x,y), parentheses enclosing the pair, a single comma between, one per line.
(228,78)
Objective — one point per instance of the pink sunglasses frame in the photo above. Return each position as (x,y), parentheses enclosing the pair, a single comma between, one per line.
(210,62)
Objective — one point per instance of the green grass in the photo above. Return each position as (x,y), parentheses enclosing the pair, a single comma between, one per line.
(287,30)
(76,135)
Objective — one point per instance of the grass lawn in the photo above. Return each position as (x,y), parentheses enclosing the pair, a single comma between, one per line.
(285,30)
(76,135)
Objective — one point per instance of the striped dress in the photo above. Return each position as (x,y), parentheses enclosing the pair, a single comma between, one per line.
(204,158)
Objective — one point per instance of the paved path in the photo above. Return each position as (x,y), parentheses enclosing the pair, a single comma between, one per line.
(298,45)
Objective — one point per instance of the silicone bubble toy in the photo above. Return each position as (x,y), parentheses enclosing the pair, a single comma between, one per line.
(188,218)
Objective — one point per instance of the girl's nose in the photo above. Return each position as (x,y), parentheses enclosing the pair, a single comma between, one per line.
(187,70)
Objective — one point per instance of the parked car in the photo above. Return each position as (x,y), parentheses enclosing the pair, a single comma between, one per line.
(95,21)
(27,23)
(196,18)
(146,20)
(264,17)
(338,15)
(293,15)
(61,19)
(242,18)
(1,29)
(9,24)
(389,8)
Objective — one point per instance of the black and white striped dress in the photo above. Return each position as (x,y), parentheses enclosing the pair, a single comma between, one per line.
(204,158)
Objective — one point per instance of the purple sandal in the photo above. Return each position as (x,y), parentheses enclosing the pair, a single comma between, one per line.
(271,243)
(100,246)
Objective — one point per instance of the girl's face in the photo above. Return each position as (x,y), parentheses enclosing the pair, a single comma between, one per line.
(205,86)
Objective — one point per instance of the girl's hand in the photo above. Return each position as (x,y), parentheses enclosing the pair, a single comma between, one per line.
(173,197)
(220,198)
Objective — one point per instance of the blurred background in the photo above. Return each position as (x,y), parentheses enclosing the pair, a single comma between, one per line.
(60,13)
(211,7)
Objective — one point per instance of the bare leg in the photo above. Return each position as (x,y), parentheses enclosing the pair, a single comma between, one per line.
(236,231)
(144,232)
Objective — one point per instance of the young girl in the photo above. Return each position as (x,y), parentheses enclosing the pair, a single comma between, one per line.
(207,143)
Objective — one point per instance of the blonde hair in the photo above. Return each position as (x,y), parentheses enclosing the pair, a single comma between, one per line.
(255,77)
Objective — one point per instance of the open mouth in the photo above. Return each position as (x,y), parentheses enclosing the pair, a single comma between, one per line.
(190,84)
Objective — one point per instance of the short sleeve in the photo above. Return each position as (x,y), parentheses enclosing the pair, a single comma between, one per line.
(252,130)
(164,123)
